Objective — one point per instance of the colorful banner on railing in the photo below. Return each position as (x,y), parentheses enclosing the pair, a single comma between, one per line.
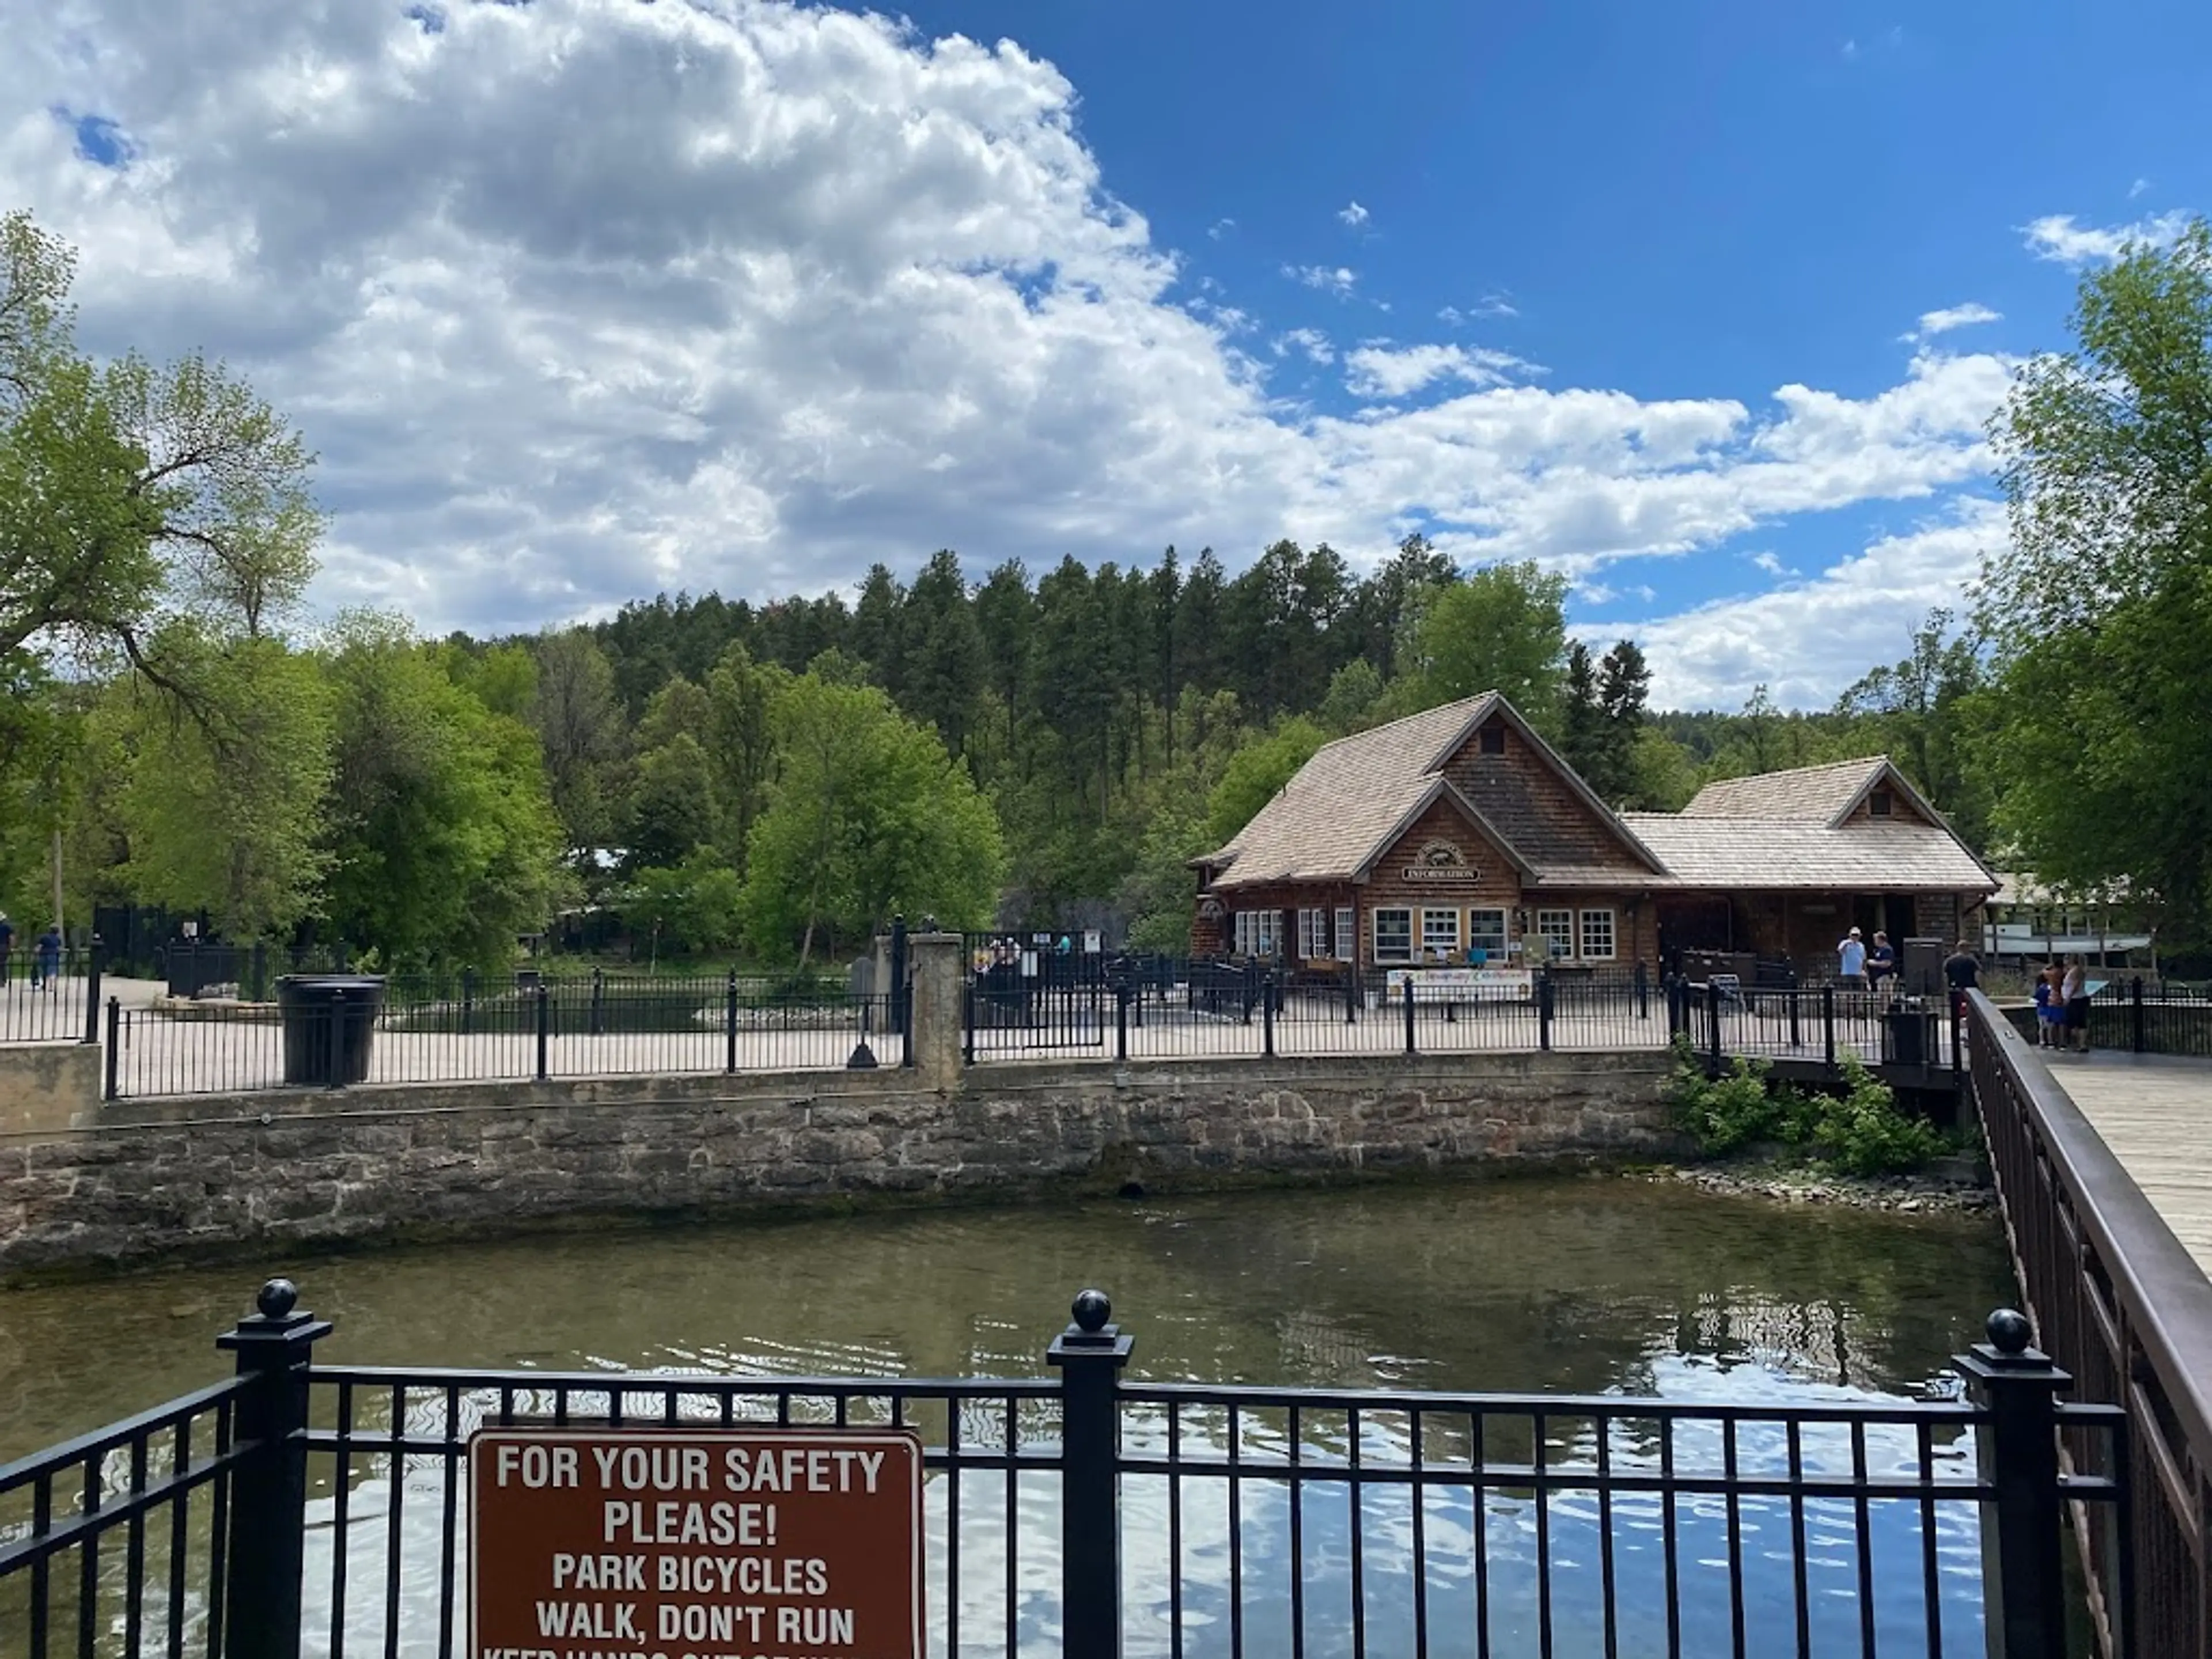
(1465,984)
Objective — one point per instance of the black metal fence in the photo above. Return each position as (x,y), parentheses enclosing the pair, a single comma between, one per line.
(464,1029)
(2154,1018)
(1820,1025)
(1144,1007)
(2124,1308)
(302,1508)
(51,997)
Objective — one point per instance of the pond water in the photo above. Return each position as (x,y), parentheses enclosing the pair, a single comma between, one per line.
(1584,1285)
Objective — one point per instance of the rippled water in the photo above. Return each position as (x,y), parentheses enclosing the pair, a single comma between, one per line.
(1589,1286)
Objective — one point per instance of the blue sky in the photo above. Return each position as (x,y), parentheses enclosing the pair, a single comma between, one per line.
(582,298)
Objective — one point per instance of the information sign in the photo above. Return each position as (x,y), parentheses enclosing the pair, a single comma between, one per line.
(1464,984)
(675,1544)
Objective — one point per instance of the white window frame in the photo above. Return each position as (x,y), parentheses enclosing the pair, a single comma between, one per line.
(1479,938)
(1347,935)
(1312,935)
(1435,942)
(1556,928)
(1257,932)
(1584,936)
(1402,951)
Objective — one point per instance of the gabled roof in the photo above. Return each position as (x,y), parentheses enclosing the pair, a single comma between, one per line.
(1806,794)
(1348,804)
(1783,855)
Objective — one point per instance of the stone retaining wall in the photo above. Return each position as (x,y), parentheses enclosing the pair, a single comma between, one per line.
(267,1173)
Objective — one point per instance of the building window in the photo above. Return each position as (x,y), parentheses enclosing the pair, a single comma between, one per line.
(1597,935)
(1493,740)
(1312,935)
(1485,932)
(1440,933)
(1345,935)
(1394,936)
(1556,928)
(1255,933)
(1878,804)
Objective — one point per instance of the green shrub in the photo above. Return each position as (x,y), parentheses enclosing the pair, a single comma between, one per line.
(1725,1113)
(1863,1133)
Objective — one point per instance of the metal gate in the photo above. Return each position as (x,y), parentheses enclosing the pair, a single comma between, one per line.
(1034,989)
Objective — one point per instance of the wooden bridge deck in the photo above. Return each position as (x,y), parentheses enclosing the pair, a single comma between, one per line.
(2154,1112)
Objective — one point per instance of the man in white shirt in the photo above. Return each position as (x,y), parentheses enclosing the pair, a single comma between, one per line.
(1850,959)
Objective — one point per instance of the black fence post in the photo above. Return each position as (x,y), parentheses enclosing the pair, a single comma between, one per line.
(1796,1034)
(967,1020)
(1828,1025)
(2023,1590)
(1267,1014)
(92,991)
(268,1485)
(1351,994)
(468,1000)
(1713,1026)
(1122,1018)
(1410,1046)
(1642,989)
(598,1001)
(334,1073)
(898,985)
(1544,1009)
(2135,1012)
(730,1021)
(1090,1353)
(257,989)
(114,1043)
(544,1029)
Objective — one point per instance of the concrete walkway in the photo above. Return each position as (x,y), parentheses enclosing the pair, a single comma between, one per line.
(2155,1111)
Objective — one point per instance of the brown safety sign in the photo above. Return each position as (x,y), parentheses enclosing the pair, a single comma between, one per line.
(675,1544)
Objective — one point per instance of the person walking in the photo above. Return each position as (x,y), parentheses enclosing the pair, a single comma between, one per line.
(2073,997)
(1961,974)
(1850,959)
(46,966)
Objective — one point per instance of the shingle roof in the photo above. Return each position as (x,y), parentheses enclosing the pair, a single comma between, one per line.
(1736,852)
(1816,794)
(1780,831)
(1330,818)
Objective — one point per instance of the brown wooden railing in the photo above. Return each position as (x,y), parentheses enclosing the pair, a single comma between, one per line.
(2116,1301)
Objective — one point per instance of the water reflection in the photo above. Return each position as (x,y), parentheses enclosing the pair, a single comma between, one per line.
(1588,1287)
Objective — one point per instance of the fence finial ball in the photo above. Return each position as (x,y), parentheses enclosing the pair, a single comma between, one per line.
(278,1298)
(2009,1331)
(1093,1310)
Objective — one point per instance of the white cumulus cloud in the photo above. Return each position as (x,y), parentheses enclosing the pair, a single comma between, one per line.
(582,299)
(1805,640)
(1965,316)
(1381,371)
(2056,236)
(1310,343)
(1330,279)
(1354,215)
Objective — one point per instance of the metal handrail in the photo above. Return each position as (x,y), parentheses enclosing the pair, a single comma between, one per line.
(2166,1294)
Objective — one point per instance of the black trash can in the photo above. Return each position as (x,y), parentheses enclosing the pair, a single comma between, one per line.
(1908,1034)
(320,1009)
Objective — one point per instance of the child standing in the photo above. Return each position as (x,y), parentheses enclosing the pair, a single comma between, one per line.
(2047,1010)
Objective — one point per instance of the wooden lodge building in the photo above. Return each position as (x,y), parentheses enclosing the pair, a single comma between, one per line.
(1459,836)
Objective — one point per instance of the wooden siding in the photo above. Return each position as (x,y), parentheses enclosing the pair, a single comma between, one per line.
(1536,809)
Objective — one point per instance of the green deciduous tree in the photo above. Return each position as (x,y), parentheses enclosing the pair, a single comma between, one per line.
(129,492)
(1255,774)
(1924,712)
(1502,629)
(443,845)
(2100,611)
(223,810)
(868,816)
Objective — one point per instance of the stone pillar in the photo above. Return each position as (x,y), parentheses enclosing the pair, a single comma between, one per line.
(939,977)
